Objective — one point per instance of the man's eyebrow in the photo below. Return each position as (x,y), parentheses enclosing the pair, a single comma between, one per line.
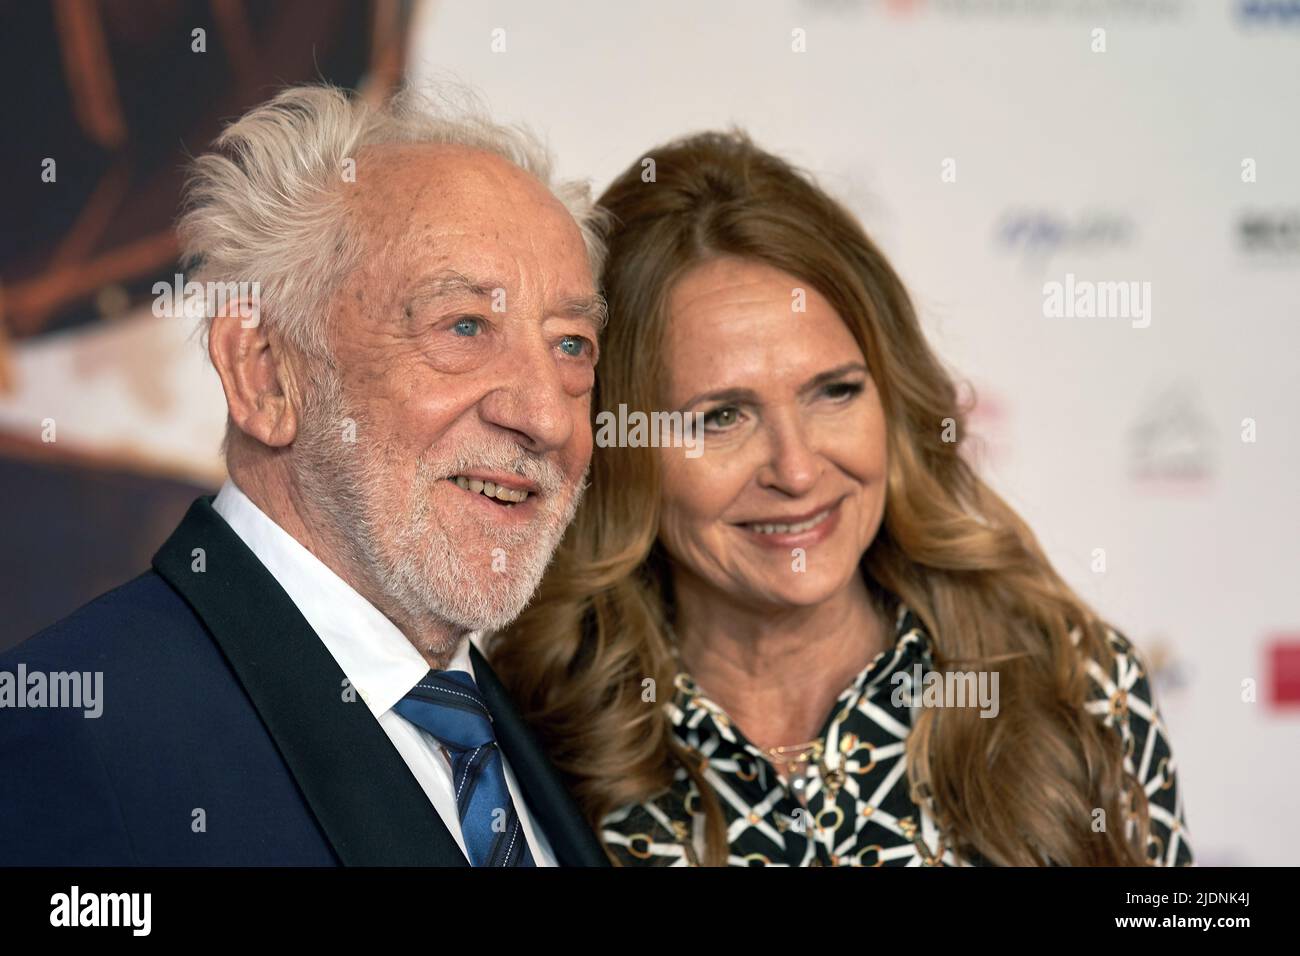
(591,307)
(450,283)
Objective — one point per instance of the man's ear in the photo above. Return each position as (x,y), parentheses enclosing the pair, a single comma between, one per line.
(257,377)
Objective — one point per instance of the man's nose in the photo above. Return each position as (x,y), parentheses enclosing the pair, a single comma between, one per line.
(530,400)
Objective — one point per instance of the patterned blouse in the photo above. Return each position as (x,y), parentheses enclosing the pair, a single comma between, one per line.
(857,809)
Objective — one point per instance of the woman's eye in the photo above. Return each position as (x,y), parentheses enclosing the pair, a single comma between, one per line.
(723,417)
(467,326)
(844,390)
(575,346)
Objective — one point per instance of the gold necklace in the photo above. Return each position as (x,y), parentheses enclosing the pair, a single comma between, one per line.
(778,754)
(794,760)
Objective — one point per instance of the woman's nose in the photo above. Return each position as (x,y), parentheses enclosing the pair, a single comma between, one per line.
(794,465)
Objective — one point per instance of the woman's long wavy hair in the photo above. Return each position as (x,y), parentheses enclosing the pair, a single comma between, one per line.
(1018,789)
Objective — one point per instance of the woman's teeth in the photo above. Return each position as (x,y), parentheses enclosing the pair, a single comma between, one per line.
(491,489)
(799,528)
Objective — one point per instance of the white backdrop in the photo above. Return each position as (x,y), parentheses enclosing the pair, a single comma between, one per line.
(1122,165)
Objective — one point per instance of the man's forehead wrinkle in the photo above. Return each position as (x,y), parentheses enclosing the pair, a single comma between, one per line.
(460,182)
(447,168)
(394,186)
(432,210)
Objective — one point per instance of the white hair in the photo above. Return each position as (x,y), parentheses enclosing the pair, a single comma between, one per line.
(266,206)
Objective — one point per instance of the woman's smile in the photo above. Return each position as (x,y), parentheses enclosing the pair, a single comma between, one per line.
(800,530)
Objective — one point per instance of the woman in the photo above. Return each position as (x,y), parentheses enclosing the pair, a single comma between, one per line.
(751,655)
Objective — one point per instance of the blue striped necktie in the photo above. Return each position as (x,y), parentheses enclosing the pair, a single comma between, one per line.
(448,705)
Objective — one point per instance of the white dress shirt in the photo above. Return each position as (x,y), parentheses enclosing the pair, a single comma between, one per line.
(378,660)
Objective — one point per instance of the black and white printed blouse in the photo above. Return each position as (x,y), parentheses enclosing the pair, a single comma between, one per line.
(859,810)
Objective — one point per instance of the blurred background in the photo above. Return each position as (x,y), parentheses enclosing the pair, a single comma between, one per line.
(988,146)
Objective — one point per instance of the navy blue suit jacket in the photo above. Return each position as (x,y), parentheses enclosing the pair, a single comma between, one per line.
(226,737)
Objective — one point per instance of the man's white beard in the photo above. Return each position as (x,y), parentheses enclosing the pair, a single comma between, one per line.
(391,534)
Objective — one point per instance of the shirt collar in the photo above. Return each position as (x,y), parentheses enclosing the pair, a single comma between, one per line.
(369,648)
(691,710)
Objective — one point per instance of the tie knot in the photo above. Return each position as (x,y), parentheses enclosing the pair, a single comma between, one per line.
(449,706)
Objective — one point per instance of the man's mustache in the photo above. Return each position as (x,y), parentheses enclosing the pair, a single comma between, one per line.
(506,457)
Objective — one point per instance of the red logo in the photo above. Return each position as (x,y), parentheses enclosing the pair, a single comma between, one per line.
(1284,670)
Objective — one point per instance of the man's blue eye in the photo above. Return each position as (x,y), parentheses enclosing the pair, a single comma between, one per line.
(573,345)
(466,327)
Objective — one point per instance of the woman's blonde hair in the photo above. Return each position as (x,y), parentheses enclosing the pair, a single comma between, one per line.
(1020,789)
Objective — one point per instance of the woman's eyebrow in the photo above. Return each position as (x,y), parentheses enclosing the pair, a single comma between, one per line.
(723,395)
(749,395)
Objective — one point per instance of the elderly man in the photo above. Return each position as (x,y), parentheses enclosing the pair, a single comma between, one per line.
(295,680)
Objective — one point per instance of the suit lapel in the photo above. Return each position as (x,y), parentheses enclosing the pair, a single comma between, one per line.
(369,805)
(548,799)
